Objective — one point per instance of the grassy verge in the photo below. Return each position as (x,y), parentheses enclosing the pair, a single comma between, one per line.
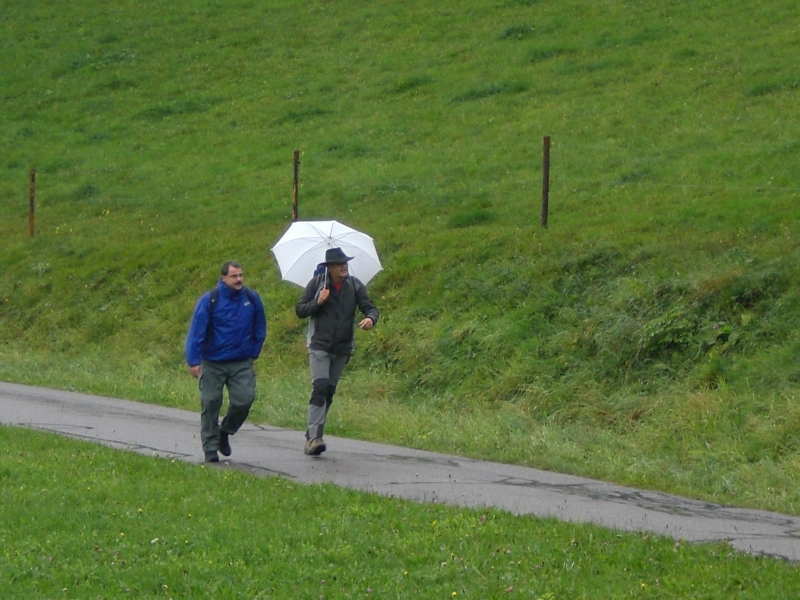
(83,521)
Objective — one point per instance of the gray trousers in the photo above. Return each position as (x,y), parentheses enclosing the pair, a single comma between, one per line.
(240,379)
(326,369)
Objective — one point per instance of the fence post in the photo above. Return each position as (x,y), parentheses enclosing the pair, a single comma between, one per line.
(295,184)
(545,181)
(32,205)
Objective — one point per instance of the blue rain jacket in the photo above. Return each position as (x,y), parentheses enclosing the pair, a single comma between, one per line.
(235,329)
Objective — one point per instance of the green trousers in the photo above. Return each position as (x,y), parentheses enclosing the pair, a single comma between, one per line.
(240,379)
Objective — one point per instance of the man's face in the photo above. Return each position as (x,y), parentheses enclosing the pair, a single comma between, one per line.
(234,279)
(338,271)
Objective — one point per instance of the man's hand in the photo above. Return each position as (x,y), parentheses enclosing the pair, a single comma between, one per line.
(195,371)
(366,323)
(323,296)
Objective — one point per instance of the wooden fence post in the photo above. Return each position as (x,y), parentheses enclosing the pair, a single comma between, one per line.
(295,184)
(32,205)
(545,181)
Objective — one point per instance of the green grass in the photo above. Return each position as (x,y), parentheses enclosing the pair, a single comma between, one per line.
(84,521)
(648,336)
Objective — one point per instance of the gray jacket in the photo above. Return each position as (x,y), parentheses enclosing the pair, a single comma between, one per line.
(332,324)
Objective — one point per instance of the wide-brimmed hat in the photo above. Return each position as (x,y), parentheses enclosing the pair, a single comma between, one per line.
(335,256)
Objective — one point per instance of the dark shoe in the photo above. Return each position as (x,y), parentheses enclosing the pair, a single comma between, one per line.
(212,456)
(224,444)
(315,447)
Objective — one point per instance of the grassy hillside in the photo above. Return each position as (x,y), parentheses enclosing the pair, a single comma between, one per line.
(648,336)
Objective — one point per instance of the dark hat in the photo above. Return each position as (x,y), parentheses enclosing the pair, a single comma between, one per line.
(335,256)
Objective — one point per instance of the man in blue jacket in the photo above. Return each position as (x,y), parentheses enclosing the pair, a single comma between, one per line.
(227,332)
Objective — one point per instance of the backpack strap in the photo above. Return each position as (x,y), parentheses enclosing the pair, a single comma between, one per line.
(214,293)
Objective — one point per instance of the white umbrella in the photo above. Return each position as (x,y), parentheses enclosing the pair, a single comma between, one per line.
(303,247)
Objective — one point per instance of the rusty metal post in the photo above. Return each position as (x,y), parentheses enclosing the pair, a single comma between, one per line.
(545,181)
(32,209)
(295,184)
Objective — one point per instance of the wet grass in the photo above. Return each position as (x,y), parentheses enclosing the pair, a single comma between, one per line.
(83,521)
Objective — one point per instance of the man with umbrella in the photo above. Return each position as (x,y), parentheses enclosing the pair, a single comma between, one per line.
(330,300)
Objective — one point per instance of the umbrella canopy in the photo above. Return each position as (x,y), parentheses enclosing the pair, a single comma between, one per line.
(303,247)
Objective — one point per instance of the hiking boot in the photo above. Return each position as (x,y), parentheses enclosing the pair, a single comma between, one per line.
(224,444)
(212,456)
(315,447)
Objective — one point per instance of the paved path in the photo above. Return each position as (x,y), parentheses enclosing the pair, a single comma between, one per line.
(400,472)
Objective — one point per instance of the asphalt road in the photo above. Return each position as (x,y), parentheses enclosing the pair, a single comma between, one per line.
(400,472)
